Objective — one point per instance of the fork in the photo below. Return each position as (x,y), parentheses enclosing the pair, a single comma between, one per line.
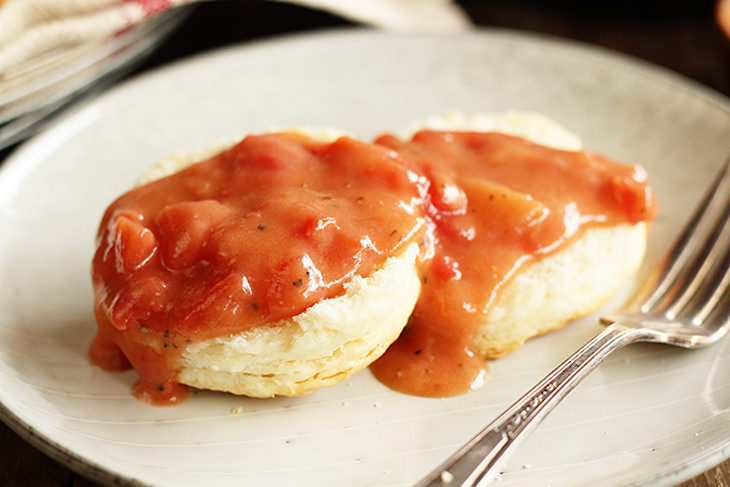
(685,302)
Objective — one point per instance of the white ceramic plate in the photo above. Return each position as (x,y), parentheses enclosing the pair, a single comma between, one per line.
(651,415)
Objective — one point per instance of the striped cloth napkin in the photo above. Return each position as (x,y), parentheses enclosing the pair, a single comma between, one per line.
(33,28)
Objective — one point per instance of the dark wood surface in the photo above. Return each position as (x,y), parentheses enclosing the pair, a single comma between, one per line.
(681,36)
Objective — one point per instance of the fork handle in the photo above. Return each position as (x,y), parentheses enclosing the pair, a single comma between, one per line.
(478,461)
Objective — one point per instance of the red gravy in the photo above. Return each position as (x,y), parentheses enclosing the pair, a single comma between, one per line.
(263,231)
(497,202)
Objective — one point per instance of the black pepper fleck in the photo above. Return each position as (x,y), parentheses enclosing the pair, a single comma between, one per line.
(298,282)
(261,226)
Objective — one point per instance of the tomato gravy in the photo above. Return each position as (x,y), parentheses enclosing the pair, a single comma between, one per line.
(252,236)
(498,203)
(279,222)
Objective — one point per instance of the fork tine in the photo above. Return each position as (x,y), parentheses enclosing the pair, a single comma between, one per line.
(699,288)
(717,292)
(706,275)
(692,251)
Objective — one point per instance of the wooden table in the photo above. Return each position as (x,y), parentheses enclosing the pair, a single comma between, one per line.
(681,36)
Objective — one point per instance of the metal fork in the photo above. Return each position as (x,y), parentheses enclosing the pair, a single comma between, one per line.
(686,302)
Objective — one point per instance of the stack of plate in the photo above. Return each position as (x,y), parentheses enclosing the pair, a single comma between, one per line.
(33,92)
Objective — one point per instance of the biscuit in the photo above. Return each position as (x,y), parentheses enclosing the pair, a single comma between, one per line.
(336,337)
(319,347)
(570,283)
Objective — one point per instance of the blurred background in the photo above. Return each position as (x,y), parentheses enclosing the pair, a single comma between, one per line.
(683,37)
(679,35)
